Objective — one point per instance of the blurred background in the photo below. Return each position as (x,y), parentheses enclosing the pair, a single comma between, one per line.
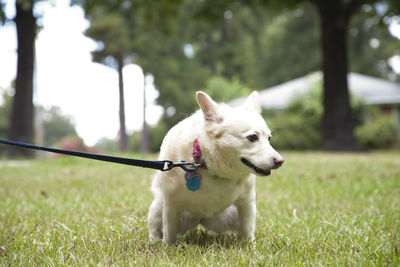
(114,76)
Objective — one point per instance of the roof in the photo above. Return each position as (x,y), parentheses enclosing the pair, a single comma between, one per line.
(371,90)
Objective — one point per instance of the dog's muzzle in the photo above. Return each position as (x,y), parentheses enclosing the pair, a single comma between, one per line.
(255,168)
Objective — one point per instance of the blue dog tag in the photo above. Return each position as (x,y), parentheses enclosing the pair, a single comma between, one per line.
(193,181)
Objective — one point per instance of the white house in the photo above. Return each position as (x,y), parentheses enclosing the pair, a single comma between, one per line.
(371,90)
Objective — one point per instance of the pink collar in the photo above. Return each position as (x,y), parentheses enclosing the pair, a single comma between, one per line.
(197,154)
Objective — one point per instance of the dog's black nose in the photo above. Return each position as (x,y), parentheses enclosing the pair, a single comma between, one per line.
(279,161)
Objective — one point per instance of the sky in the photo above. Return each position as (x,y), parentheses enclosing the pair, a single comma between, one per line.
(66,76)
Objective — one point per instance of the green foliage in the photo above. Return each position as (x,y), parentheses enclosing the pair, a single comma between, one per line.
(290,46)
(56,125)
(256,47)
(379,132)
(3,17)
(299,126)
(309,105)
(156,136)
(222,90)
(254,43)
(107,145)
(371,44)
(77,212)
(294,131)
(5,113)
(232,45)
(134,142)
(113,35)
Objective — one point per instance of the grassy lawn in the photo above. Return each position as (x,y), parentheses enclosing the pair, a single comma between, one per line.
(318,209)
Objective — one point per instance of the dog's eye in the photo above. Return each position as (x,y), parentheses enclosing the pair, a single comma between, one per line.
(252,138)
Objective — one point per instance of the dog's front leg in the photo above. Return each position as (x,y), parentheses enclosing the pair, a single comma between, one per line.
(155,219)
(247,216)
(170,222)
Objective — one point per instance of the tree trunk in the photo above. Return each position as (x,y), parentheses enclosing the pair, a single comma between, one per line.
(337,127)
(21,126)
(123,140)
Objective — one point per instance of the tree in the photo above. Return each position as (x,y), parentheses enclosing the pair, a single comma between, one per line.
(241,41)
(334,16)
(338,124)
(231,41)
(183,61)
(21,127)
(289,46)
(294,36)
(111,31)
(117,25)
(177,76)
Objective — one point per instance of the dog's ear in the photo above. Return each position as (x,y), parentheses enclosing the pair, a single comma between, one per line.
(208,106)
(253,102)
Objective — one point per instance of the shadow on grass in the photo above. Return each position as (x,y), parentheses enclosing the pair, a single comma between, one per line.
(204,239)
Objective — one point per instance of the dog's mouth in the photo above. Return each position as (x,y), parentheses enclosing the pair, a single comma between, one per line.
(255,168)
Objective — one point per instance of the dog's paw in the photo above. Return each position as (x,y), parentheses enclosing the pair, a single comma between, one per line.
(169,241)
(249,237)
(155,238)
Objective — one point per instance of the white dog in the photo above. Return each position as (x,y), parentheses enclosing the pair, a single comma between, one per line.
(231,144)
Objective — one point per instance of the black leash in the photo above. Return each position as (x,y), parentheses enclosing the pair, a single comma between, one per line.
(163,165)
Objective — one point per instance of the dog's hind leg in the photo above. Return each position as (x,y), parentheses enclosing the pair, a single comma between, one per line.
(225,221)
(155,220)
(187,222)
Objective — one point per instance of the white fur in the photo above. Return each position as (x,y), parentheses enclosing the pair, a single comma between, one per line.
(226,198)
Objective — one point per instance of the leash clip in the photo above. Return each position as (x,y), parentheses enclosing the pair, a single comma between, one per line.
(187,166)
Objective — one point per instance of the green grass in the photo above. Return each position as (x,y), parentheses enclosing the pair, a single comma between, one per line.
(318,209)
